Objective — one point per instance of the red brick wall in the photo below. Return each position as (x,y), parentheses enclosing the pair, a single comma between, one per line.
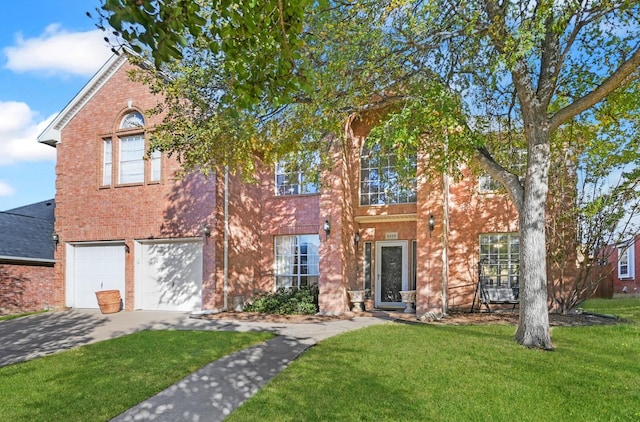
(88,211)
(25,288)
(472,214)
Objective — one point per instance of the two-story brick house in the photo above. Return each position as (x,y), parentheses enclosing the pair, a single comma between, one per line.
(206,243)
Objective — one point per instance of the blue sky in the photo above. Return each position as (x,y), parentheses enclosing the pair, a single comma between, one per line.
(48,52)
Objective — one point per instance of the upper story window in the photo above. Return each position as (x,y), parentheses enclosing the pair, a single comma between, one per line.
(107,162)
(380,180)
(123,158)
(132,120)
(487,184)
(131,163)
(297,175)
(517,164)
(626,261)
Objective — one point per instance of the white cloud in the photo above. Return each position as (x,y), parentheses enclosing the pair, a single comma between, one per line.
(6,189)
(57,52)
(19,130)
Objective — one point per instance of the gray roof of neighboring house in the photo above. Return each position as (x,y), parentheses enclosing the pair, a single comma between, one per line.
(25,232)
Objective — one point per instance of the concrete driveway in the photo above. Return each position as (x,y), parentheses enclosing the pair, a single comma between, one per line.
(43,334)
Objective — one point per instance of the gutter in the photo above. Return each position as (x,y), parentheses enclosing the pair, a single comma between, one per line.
(27,261)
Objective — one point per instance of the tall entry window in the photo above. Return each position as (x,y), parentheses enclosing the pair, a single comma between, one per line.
(380,180)
(297,260)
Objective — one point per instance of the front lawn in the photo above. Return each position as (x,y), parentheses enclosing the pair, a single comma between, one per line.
(406,372)
(99,381)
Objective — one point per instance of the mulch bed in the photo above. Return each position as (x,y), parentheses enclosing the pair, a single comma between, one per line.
(454,318)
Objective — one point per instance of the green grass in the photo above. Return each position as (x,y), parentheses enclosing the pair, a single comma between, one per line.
(402,372)
(99,381)
(625,308)
(14,316)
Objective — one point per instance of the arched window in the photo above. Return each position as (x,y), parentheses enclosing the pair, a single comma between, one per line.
(380,180)
(124,154)
(132,120)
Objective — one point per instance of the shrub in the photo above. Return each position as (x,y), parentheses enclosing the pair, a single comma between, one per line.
(286,301)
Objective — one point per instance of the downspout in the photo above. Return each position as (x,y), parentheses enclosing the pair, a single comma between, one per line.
(225,257)
(445,242)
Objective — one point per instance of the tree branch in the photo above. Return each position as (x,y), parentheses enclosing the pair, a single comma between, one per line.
(617,78)
(509,180)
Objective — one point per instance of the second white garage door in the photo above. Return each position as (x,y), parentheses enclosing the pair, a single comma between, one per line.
(169,276)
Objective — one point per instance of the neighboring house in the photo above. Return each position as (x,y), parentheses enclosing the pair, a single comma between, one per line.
(200,243)
(26,258)
(624,258)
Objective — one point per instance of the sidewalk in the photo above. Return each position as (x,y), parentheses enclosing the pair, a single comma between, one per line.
(210,393)
(213,392)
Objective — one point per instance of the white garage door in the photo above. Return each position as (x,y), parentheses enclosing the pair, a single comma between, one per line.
(170,276)
(91,268)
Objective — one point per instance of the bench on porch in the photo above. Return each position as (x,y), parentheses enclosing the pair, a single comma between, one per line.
(489,294)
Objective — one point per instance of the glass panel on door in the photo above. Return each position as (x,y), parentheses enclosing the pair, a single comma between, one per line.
(391,258)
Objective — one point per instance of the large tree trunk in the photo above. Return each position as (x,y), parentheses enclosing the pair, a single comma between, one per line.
(533,327)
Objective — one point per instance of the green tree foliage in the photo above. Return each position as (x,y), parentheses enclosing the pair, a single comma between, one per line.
(254,78)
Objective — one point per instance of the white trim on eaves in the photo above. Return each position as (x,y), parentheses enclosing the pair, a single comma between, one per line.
(51,135)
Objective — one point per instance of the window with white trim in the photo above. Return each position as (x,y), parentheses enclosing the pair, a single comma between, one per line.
(131,163)
(297,175)
(626,261)
(124,158)
(132,120)
(156,166)
(499,259)
(296,260)
(487,184)
(107,162)
(517,165)
(380,181)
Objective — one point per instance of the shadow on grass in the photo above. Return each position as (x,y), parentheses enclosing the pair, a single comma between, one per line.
(43,334)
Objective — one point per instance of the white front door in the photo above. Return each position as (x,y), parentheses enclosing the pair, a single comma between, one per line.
(392,270)
(169,275)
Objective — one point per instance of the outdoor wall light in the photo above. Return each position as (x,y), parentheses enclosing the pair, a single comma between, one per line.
(55,238)
(432,224)
(327,229)
(206,231)
(356,239)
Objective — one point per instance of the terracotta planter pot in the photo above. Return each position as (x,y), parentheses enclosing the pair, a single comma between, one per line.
(109,301)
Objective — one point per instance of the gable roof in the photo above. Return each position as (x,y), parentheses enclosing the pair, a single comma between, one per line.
(25,233)
(51,134)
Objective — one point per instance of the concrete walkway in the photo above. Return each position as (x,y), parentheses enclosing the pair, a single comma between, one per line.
(209,394)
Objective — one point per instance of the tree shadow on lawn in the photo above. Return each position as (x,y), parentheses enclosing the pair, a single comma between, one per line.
(43,334)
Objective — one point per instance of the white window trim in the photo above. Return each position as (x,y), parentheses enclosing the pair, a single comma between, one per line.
(294,261)
(138,162)
(395,193)
(305,187)
(510,277)
(626,253)
(155,171)
(107,162)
